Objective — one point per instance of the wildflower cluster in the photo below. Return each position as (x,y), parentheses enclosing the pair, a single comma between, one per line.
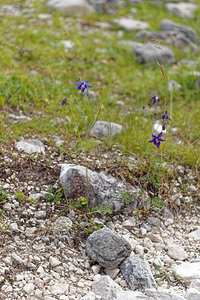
(157,139)
(82,85)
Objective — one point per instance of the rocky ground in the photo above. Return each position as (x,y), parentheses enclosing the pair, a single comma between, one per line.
(43,243)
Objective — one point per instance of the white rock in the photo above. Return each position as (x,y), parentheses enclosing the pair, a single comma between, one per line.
(13,226)
(188,271)
(105,287)
(177,252)
(129,223)
(130,24)
(68,44)
(71,7)
(30,146)
(59,288)
(30,231)
(17,259)
(96,269)
(182,9)
(103,128)
(192,294)
(89,296)
(139,249)
(130,295)
(7,206)
(44,16)
(54,262)
(40,214)
(62,224)
(29,288)
(195,234)
(195,284)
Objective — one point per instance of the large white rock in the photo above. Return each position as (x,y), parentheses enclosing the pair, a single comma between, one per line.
(71,7)
(177,252)
(103,128)
(30,146)
(188,271)
(192,294)
(130,24)
(130,295)
(182,9)
(105,287)
(195,234)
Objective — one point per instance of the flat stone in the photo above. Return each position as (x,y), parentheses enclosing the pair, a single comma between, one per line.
(182,9)
(71,7)
(29,288)
(30,146)
(195,234)
(130,295)
(131,24)
(17,259)
(131,222)
(107,248)
(149,52)
(89,296)
(190,33)
(192,294)
(136,271)
(188,271)
(62,224)
(105,287)
(54,262)
(177,252)
(103,128)
(156,295)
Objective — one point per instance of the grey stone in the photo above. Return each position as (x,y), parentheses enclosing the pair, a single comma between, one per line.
(173,37)
(29,288)
(40,214)
(131,222)
(17,259)
(190,33)
(188,271)
(112,272)
(98,188)
(107,248)
(155,295)
(106,288)
(71,7)
(54,262)
(30,146)
(130,295)
(137,273)
(183,10)
(104,6)
(131,24)
(149,52)
(173,85)
(103,128)
(62,224)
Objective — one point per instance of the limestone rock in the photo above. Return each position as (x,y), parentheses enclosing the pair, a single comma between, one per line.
(173,85)
(188,271)
(195,234)
(131,24)
(98,188)
(137,273)
(182,9)
(71,7)
(30,146)
(149,52)
(130,295)
(105,287)
(177,252)
(155,295)
(103,128)
(107,248)
(190,33)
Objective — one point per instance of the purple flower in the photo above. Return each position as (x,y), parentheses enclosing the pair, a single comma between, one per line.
(166,116)
(64,101)
(156,140)
(154,98)
(82,85)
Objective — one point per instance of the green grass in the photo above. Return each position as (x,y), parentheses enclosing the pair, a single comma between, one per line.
(35,81)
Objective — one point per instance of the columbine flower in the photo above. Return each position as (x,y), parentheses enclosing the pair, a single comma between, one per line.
(82,85)
(155,98)
(166,116)
(156,140)
(64,101)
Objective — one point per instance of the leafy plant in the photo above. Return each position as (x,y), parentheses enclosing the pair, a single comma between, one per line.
(125,196)
(56,197)
(20,196)
(3,199)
